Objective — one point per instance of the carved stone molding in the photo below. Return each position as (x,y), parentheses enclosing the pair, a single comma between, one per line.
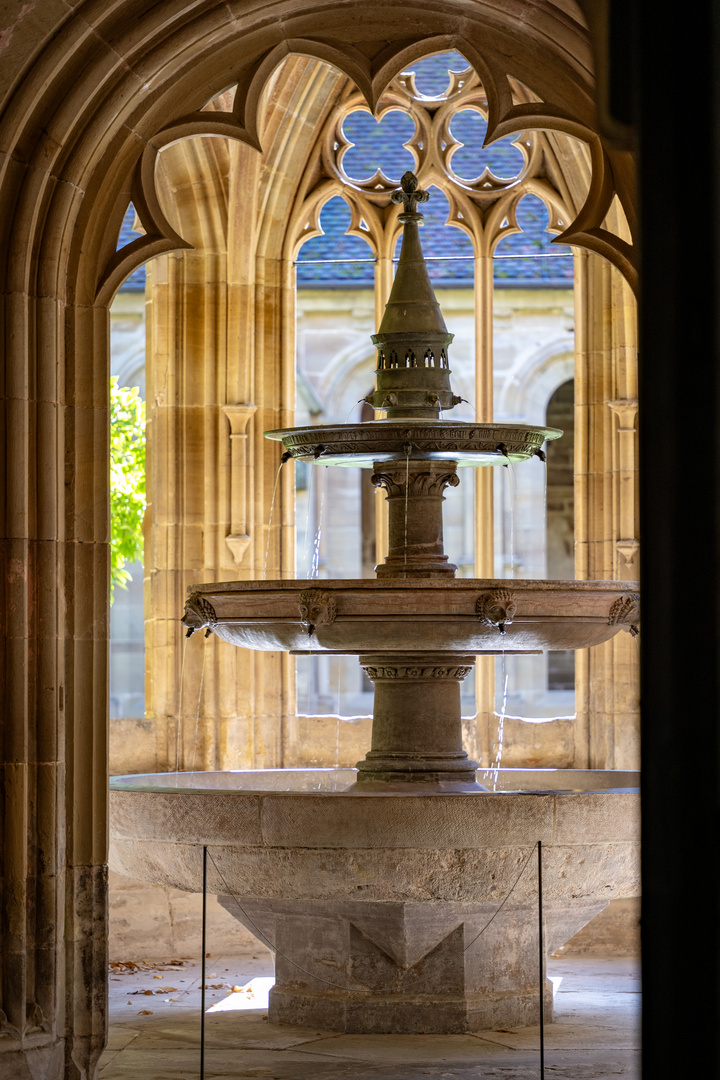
(496,608)
(238,544)
(238,539)
(199,612)
(413,671)
(625,610)
(317,608)
(627,550)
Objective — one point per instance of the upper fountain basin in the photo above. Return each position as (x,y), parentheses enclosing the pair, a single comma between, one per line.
(421,615)
(360,445)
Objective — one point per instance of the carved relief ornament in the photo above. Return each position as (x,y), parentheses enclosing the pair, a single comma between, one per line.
(411,671)
(496,608)
(199,613)
(317,608)
(625,612)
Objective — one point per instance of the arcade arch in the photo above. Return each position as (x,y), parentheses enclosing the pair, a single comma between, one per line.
(106,89)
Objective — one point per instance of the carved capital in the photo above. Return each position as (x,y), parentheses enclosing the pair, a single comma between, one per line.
(626,410)
(317,608)
(428,482)
(496,608)
(199,612)
(625,611)
(238,417)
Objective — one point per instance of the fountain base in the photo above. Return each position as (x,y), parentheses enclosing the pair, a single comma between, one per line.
(407,968)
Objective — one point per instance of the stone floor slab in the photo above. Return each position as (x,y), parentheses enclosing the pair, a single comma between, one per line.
(594,1036)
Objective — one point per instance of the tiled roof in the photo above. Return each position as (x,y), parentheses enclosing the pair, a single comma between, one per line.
(136,281)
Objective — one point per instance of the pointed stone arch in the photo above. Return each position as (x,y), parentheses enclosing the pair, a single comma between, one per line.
(107,87)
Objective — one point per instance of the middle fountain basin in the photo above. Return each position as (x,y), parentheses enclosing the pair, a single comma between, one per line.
(383,908)
(421,615)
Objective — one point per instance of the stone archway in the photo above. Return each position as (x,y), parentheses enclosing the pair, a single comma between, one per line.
(106,88)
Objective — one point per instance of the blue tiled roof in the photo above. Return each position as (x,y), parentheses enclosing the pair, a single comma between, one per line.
(532,217)
(136,281)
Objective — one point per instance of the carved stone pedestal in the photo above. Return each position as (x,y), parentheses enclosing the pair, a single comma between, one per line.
(407,967)
(417,724)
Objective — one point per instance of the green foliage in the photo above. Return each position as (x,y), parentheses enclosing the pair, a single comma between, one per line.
(127,481)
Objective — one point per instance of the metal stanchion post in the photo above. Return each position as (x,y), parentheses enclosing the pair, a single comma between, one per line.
(541,958)
(202,967)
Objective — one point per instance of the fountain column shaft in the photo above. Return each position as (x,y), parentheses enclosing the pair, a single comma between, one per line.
(417,726)
(415,527)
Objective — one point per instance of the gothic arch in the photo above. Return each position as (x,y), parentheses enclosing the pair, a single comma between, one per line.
(107,88)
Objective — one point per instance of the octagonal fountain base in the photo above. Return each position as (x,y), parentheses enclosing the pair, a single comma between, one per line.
(390,912)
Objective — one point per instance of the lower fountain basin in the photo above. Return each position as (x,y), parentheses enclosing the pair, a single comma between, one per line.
(387,911)
(468,615)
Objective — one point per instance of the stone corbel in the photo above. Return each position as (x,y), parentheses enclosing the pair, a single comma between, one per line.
(238,538)
(627,551)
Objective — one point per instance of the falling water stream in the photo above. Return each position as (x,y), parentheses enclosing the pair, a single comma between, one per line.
(315,565)
(197,711)
(501,725)
(272,508)
(178,724)
(512,499)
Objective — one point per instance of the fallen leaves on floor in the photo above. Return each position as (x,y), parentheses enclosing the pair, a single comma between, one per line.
(132,966)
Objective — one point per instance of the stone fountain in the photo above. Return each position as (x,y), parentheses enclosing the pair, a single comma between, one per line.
(380,889)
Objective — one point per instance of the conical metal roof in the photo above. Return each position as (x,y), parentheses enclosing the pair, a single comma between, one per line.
(412,376)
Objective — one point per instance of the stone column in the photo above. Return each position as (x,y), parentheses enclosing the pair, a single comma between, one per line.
(417,728)
(607,729)
(212,706)
(415,528)
(483,731)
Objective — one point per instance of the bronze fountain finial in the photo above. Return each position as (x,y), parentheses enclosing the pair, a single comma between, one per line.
(411,195)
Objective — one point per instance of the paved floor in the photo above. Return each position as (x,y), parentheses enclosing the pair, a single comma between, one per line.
(155,1031)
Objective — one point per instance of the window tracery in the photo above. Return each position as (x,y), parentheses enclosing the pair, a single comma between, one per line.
(441,137)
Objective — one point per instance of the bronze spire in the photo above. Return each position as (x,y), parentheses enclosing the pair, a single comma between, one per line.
(412,375)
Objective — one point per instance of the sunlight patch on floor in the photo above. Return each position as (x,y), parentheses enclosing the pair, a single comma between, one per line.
(254,995)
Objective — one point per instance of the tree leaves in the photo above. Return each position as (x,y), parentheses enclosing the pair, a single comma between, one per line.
(127,481)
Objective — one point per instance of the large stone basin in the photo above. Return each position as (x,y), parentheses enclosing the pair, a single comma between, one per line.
(390,912)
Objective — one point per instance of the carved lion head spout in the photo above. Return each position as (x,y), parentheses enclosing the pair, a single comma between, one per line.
(199,613)
(496,608)
(625,612)
(317,608)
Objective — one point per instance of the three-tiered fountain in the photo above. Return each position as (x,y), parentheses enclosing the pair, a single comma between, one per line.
(376,887)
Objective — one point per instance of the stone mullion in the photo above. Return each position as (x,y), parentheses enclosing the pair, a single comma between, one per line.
(269,670)
(484,515)
(290,738)
(607,727)
(236,667)
(383,286)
